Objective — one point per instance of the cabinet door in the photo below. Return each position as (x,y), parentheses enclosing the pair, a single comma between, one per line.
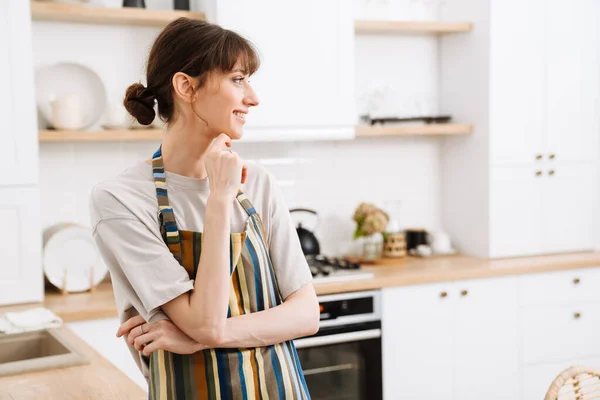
(573,80)
(100,334)
(21,277)
(515,211)
(568,208)
(18,133)
(418,342)
(487,345)
(517,80)
(305,82)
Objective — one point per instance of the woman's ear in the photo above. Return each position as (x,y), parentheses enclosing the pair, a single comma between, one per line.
(184,86)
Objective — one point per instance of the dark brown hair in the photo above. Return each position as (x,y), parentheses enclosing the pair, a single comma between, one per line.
(194,47)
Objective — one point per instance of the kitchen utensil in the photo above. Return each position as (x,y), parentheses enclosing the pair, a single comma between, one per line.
(70,259)
(68,78)
(308,240)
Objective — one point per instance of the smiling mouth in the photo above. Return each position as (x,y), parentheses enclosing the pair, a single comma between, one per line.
(240,115)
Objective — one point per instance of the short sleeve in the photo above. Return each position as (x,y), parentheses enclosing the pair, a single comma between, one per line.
(139,261)
(289,262)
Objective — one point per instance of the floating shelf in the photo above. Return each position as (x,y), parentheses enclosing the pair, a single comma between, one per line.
(414,130)
(147,135)
(399,27)
(124,135)
(107,16)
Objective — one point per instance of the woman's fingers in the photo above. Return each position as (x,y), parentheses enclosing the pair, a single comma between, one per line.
(220,143)
(128,325)
(143,340)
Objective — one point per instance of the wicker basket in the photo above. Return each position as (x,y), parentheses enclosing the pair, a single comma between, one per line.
(394,245)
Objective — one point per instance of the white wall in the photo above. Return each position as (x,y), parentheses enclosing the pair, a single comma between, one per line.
(402,174)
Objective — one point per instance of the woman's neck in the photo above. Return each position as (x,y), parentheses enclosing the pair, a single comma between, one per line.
(184,149)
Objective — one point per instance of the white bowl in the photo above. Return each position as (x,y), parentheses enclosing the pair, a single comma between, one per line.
(70,79)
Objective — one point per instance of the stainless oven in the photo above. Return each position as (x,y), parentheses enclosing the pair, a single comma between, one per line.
(343,360)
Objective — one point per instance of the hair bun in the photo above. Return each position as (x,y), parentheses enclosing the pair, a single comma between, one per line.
(139,102)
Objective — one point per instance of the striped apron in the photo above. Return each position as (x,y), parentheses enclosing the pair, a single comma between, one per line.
(270,372)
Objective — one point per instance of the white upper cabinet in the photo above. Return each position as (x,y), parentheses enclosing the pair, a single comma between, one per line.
(545,80)
(306,80)
(516,80)
(18,132)
(573,79)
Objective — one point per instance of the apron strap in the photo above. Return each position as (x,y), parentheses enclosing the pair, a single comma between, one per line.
(166,215)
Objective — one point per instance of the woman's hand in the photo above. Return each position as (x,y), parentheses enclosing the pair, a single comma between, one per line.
(224,167)
(159,335)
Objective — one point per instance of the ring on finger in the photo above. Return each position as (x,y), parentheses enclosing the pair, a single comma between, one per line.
(142,329)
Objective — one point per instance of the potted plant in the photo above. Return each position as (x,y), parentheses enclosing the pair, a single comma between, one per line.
(371,223)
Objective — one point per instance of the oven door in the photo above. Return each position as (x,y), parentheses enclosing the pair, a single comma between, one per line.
(343,362)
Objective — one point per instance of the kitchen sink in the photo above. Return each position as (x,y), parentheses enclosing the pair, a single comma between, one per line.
(37,351)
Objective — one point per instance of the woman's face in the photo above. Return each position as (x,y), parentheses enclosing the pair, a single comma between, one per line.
(224,102)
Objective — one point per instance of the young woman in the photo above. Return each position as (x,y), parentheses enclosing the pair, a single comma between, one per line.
(210,282)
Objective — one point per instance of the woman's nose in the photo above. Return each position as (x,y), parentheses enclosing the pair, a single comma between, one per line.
(251,99)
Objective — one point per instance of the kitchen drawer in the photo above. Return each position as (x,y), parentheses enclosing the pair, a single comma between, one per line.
(536,379)
(560,288)
(560,332)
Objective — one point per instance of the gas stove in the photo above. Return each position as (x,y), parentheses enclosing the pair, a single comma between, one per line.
(330,269)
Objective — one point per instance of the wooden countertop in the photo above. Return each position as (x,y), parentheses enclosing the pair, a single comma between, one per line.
(97,380)
(411,271)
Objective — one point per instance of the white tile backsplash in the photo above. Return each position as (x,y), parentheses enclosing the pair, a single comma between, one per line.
(333,178)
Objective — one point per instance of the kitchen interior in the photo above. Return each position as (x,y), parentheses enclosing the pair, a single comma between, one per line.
(439,157)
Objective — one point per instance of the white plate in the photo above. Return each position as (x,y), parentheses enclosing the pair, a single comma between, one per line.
(70,249)
(56,80)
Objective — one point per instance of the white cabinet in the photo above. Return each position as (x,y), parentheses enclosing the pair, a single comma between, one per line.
(411,362)
(18,133)
(515,210)
(21,277)
(536,209)
(305,82)
(545,80)
(531,164)
(559,324)
(451,341)
(568,207)
(572,79)
(100,334)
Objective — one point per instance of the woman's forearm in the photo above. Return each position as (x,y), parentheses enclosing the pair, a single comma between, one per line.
(210,297)
(201,313)
(293,319)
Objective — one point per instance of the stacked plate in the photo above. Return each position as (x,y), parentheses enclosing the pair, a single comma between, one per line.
(70,258)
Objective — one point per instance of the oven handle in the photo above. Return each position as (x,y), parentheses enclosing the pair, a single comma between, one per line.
(338,338)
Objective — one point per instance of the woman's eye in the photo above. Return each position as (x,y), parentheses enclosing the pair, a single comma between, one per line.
(238,80)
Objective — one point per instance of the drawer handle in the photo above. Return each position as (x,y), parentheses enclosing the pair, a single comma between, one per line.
(464,293)
(576,281)
(538,173)
(443,294)
(538,157)
(577,315)
(552,156)
(551,172)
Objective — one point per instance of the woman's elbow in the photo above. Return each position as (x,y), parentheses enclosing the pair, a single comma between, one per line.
(211,336)
(312,318)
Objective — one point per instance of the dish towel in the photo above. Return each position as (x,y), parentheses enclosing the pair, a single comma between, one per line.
(29,320)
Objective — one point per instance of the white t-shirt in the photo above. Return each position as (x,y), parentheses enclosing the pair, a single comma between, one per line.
(144,273)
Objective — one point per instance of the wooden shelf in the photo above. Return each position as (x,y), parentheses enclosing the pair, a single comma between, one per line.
(413,130)
(108,16)
(124,135)
(148,135)
(399,27)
